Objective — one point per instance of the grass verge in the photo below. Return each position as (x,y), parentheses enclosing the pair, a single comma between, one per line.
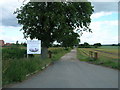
(102,60)
(15,70)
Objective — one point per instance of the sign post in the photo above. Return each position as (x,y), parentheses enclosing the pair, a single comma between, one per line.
(33,47)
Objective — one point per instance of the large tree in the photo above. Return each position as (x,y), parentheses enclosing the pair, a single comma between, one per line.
(54,21)
(69,39)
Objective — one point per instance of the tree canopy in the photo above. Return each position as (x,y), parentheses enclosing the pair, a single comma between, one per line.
(97,45)
(54,21)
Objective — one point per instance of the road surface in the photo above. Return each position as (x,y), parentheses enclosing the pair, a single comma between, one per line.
(72,73)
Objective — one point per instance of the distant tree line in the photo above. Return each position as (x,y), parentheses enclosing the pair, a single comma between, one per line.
(112,44)
(96,45)
(85,45)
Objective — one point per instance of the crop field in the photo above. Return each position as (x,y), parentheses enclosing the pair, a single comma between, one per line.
(107,56)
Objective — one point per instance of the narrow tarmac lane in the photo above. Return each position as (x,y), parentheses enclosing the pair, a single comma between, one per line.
(72,73)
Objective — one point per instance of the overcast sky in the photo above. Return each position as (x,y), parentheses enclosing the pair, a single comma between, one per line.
(104,23)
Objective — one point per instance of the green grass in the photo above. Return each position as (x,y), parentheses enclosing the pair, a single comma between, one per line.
(15,70)
(102,60)
(109,47)
(12,53)
(58,52)
(19,68)
(109,53)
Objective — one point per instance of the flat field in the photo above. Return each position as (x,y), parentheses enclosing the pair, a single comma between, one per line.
(107,55)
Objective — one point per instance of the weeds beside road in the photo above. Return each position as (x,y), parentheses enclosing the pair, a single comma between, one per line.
(15,69)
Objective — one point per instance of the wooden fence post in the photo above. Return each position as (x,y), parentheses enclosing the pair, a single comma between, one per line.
(91,54)
(95,55)
(49,54)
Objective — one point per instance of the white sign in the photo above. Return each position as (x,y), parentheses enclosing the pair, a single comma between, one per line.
(34,47)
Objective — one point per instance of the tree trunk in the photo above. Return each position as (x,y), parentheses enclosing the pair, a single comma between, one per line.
(44,53)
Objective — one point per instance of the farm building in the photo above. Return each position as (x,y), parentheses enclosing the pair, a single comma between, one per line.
(2,43)
(8,44)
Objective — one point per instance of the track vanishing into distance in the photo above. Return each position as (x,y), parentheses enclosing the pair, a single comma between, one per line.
(69,72)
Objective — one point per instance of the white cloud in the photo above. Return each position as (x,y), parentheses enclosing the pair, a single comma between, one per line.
(12,39)
(13,2)
(104,0)
(11,34)
(102,30)
(7,10)
(111,23)
(119,39)
(8,39)
(100,14)
(105,32)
